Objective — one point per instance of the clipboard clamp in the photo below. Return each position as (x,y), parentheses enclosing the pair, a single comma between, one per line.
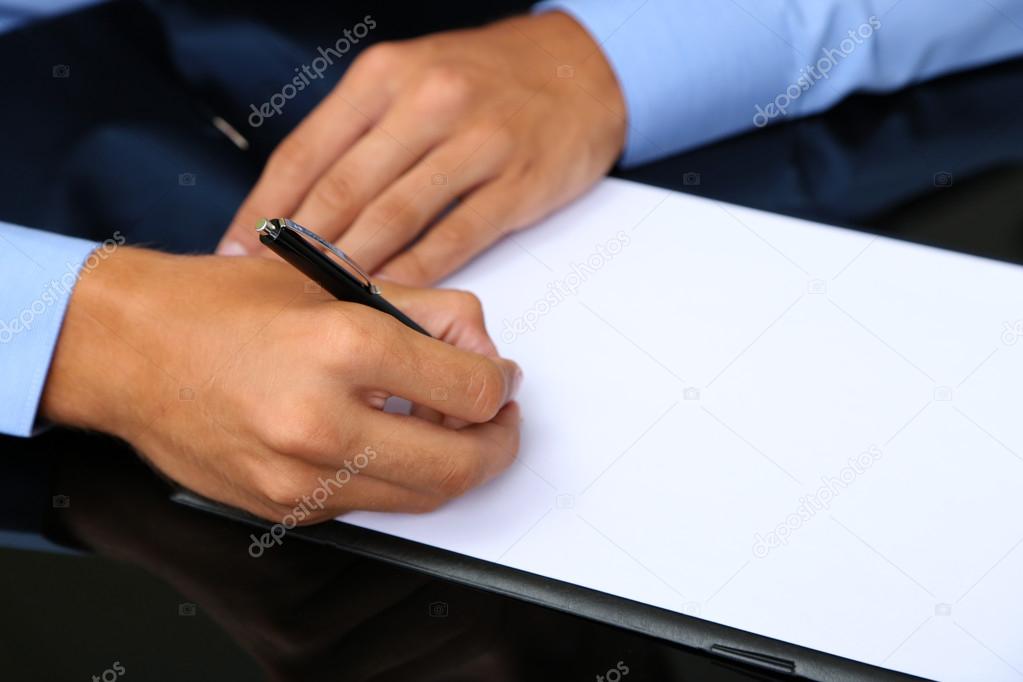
(272,227)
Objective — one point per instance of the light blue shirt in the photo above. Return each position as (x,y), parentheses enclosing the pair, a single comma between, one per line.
(13,13)
(40,270)
(692,71)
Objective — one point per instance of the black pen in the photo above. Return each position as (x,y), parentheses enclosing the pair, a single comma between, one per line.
(288,240)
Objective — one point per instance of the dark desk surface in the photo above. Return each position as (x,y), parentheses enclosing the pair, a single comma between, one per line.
(169,593)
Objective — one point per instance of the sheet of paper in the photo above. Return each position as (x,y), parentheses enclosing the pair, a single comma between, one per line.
(801,431)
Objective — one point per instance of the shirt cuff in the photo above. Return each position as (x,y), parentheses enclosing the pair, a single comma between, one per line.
(689,70)
(39,272)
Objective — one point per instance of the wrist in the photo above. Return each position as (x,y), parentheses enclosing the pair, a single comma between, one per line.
(577,59)
(103,360)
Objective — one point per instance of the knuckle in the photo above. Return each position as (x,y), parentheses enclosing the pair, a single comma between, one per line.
(350,334)
(494,133)
(379,59)
(336,191)
(455,236)
(290,158)
(418,268)
(486,390)
(467,304)
(425,504)
(445,88)
(360,340)
(277,487)
(294,432)
(391,215)
(459,476)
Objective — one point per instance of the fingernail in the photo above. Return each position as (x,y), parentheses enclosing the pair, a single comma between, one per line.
(516,384)
(231,248)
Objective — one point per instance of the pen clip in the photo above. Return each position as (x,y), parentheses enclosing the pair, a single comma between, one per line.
(268,225)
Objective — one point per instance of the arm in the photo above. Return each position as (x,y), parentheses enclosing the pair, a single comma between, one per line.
(430,150)
(40,270)
(235,379)
(692,71)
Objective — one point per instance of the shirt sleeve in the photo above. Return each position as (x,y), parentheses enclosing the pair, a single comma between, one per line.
(693,71)
(38,272)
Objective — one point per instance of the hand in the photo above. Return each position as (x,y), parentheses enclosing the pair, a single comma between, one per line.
(235,381)
(506,122)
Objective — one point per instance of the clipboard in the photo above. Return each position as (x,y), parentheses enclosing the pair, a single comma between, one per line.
(751,651)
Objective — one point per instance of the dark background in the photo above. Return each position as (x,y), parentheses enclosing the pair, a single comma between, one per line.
(105,149)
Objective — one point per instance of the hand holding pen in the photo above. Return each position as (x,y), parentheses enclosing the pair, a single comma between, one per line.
(237,381)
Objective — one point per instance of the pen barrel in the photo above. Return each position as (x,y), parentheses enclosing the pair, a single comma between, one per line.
(334,279)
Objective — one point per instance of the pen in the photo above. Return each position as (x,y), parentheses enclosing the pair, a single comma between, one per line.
(290,241)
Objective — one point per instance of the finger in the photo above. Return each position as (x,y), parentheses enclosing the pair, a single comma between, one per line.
(337,484)
(410,128)
(453,316)
(426,371)
(427,413)
(436,460)
(348,488)
(304,155)
(373,162)
(481,219)
(434,417)
(400,213)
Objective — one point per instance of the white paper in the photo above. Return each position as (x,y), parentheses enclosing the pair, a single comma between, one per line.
(696,371)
